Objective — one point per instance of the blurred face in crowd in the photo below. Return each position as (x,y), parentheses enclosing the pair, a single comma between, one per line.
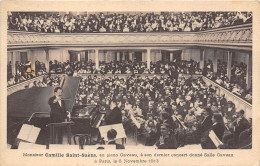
(164,130)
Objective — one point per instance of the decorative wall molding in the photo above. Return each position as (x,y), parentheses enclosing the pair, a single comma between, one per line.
(236,36)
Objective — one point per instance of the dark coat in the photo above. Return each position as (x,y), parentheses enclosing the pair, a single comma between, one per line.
(218,129)
(118,146)
(114,117)
(205,124)
(58,113)
(169,143)
(241,126)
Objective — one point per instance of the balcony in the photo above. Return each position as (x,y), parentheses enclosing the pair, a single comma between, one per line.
(234,37)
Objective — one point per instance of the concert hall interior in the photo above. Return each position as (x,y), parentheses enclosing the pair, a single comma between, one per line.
(127,80)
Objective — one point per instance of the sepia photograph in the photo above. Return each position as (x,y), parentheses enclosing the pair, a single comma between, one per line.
(145,84)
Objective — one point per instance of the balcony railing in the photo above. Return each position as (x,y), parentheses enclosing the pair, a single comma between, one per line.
(235,36)
(239,102)
(22,85)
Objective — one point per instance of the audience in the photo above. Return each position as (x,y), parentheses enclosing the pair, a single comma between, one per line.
(174,69)
(126,67)
(151,105)
(53,22)
(23,72)
(237,83)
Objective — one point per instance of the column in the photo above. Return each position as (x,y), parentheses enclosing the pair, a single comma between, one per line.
(229,61)
(215,62)
(202,58)
(13,62)
(105,56)
(249,71)
(47,65)
(123,57)
(17,58)
(171,56)
(148,58)
(96,59)
(31,59)
(117,56)
(182,56)
(130,55)
(143,56)
(113,58)
(110,55)
(78,56)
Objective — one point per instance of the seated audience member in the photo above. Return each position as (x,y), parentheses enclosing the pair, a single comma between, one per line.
(218,128)
(165,117)
(248,97)
(115,116)
(111,136)
(239,125)
(151,129)
(245,137)
(190,120)
(229,111)
(167,140)
(206,121)
(125,22)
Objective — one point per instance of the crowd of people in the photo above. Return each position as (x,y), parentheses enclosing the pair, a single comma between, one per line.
(48,81)
(125,21)
(237,83)
(167,112)
(126,67)
(24,71)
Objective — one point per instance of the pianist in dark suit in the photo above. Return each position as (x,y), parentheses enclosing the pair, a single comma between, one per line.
(115,116)
(111,136)
(58,111)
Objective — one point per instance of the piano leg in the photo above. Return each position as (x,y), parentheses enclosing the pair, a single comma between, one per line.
(69,134)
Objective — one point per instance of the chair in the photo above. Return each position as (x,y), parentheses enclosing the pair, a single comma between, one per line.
(83,139)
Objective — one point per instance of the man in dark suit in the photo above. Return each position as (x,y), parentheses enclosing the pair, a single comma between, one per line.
(240,125)
(115,116)
(58,112)
(206,122)
(167,139)
(218,128)
(111,136)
